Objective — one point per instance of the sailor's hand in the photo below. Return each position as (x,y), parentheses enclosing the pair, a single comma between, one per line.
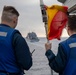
(48,46)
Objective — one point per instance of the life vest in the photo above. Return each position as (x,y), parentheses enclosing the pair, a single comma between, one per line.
(70,49)
(7,58)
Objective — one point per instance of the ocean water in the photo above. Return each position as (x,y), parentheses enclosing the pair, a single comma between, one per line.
(40,62)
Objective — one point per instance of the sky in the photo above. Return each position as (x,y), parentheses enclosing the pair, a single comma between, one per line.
(30,19)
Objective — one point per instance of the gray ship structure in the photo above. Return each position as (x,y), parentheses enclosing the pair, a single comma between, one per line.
(32,37)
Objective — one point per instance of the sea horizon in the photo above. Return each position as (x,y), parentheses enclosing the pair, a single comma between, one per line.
(40,62)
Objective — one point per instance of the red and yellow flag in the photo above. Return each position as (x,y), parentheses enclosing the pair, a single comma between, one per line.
(57,19)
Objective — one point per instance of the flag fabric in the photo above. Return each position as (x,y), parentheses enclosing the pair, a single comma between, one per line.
(57,19)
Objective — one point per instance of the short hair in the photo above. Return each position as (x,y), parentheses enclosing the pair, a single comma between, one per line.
(8,13)
(72,22)
(10,9)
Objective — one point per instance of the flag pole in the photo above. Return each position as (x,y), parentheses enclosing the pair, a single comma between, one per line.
(44,17)
(46,30)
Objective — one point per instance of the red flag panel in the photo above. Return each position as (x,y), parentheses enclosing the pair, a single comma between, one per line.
(56,26)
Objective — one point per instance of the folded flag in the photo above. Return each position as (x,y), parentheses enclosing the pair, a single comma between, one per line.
(57,19)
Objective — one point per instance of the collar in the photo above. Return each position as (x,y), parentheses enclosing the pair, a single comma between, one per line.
(74,35)
(4,25)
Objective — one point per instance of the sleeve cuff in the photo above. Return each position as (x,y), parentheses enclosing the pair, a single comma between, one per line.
(50,55)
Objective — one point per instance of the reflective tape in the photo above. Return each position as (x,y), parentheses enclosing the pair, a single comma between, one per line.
(3,34)
(72,45)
